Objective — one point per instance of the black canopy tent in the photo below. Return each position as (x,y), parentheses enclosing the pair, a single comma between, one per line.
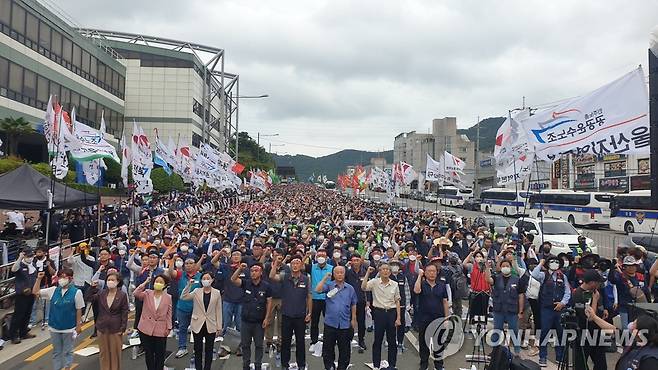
(26,189)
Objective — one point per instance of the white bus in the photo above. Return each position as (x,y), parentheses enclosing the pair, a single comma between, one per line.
(452,196)
(506,202)
(576,207)
(633,212)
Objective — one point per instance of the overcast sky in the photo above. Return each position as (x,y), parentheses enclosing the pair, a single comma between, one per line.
(353,74)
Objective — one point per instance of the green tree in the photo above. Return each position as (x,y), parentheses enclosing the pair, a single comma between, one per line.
(164,183)
(252,155)
(113,172)
(14,128)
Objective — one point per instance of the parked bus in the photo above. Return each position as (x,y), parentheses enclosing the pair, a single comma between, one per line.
(502,201)
(633,212)
(576,207)
(452,196)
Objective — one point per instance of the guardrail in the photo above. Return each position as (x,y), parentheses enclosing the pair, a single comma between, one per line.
(7,277)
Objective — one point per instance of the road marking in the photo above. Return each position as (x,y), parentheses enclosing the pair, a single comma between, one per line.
(85,343)
(73,366)
(40,353)
(412,339)
(49,347)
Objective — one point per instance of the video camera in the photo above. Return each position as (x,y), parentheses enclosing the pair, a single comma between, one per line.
(569,319)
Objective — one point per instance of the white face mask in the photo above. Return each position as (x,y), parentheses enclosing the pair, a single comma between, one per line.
(395,269)
(337,254)
(112,284)
(480,237)
(184,248)
(321,260)
(386,238)
(63,282)
(469,237)
(206,283)
(565,263)
(376,257)
(553,265)
(506,270)
(412,257)
(179,263)
(122,252)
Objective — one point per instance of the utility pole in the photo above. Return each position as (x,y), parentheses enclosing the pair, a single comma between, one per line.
(653,119)
(476,188)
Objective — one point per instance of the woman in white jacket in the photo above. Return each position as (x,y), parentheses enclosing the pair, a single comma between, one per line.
(206,318)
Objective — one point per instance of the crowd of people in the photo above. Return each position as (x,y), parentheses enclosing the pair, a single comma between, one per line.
(267,267)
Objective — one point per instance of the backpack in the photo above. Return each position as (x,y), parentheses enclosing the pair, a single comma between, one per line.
(460,282)
(500,358)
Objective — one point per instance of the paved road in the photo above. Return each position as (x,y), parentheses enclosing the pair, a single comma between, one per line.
(39,357)
(607,240)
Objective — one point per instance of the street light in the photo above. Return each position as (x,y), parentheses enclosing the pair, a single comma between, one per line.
(253,96)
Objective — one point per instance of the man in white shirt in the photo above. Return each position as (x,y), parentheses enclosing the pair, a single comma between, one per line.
(18,218)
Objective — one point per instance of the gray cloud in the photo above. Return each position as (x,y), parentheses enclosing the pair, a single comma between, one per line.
(356,73)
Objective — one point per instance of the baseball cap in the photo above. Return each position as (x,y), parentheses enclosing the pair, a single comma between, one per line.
(592,275)
(630,260)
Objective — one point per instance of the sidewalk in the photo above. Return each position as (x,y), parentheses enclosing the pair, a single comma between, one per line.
(11,350)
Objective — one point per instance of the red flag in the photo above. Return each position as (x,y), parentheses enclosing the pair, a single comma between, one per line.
(499,140)
(237,168)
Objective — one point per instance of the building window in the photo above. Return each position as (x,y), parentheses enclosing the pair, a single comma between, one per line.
(5,12)
(18,19)
(44,36)
(56,43)
(32,30)
(196,140)
(4,73)
(67,50)
(15,77)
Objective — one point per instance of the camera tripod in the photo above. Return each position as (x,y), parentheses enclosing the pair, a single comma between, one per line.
(478,354)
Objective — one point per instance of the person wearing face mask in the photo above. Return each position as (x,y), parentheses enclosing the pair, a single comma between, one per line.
(25,274)
(155,324)
(587,295)
(554,295)
(65,318)
(628,282)
(112,320)
(508,297)
(643,354)
(397,275)
(354,276)
(188,276)
(206,319)
(42,263)
(545,250)
(318,271)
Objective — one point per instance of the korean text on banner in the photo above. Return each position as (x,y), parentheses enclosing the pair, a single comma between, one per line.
(612,119)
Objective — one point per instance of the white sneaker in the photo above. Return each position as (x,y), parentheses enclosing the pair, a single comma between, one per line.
(318,349)
(181,352)
(311,348)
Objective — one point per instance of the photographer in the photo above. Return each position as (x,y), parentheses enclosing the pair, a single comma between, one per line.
(587,295)
(628,282)
(642,356)
(554,295)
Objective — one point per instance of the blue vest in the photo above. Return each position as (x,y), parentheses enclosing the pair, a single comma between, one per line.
(187,306)
(62,309)
(551,291)
(317,274)
(505,296)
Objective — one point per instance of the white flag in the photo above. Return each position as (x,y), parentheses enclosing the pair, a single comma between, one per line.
(433,170)
(142,161)
(612,119)
(513,152)
(125,159)
(60,161)
(86,143)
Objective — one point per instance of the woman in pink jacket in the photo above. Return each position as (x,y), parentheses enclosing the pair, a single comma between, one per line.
(155,321)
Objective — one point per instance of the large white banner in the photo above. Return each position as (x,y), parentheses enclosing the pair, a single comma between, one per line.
(433,170)
(612,119)
(86,143)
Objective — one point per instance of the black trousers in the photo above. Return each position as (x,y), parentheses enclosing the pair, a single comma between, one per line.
(597,354)
(403,323)
(292,326)
(384,321)
(534,306)
(361,320)
(201,348)
(139,304)
(342,337)
(317,308)
(94,311)
(154,351)
(251,331)
(478,306)
(424,351)
(21,317)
